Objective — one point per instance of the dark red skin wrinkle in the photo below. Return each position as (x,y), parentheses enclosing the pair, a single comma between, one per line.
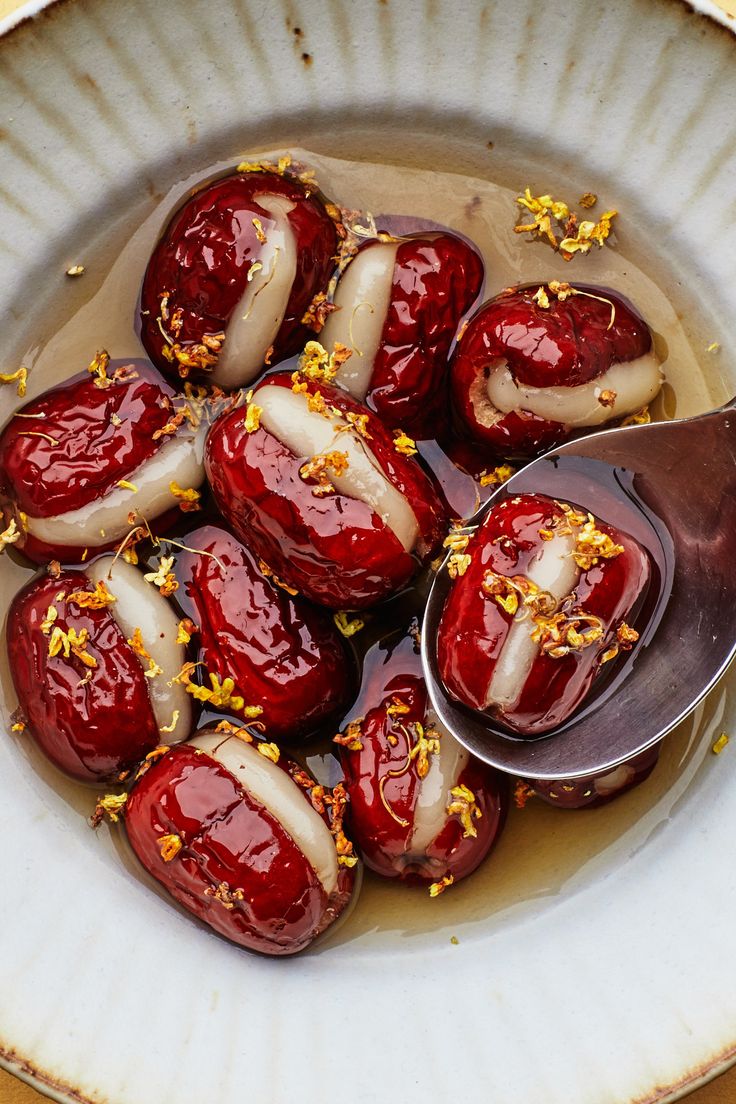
(284,655)
(581,793)
(436,280)
(229,837)
(205,254)
(473,627)
(44,479)
(333,549)
(384,844)
(565,345)
(91,731)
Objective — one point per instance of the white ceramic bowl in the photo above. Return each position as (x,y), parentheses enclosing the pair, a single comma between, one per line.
(593,960)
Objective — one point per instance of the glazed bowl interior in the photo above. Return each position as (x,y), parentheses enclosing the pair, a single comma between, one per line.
(586,964)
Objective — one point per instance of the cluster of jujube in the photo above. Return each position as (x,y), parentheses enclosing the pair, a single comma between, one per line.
(317,505)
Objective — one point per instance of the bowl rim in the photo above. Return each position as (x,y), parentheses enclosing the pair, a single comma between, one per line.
(29,14)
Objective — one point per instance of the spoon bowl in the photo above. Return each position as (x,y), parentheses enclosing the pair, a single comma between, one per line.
(671,486)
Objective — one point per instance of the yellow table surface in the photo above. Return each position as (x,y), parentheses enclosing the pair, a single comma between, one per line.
(721,1091)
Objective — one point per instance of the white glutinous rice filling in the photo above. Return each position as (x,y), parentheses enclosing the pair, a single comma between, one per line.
(258,316)
(553,570)
(272,787)
(178,460)
(625,388)
(139,605)
(308,433)
(615,780)
(445,768)
(362,298)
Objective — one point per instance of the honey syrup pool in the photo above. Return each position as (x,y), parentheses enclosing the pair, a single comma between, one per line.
(542,852)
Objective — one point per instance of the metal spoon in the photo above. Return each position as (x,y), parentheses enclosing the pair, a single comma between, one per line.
(672,486)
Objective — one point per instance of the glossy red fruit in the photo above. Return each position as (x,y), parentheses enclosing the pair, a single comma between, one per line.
(524,652)
(594,789)
(224,853)
(571,342)
(69,449)
(421,807)
(284,655)
(92,721)
(333,548)
(201,268)
(436,279)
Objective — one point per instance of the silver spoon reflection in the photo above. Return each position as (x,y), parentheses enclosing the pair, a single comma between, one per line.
(672,486)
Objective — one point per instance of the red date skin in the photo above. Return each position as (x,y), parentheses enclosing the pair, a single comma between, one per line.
(229,838)
(383,842)
(597,789)
(87,454)
(333,549)
(94,729)
(92,454)
(284,654)
(566,344)
(435,281)
(474,627)
(207,250)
